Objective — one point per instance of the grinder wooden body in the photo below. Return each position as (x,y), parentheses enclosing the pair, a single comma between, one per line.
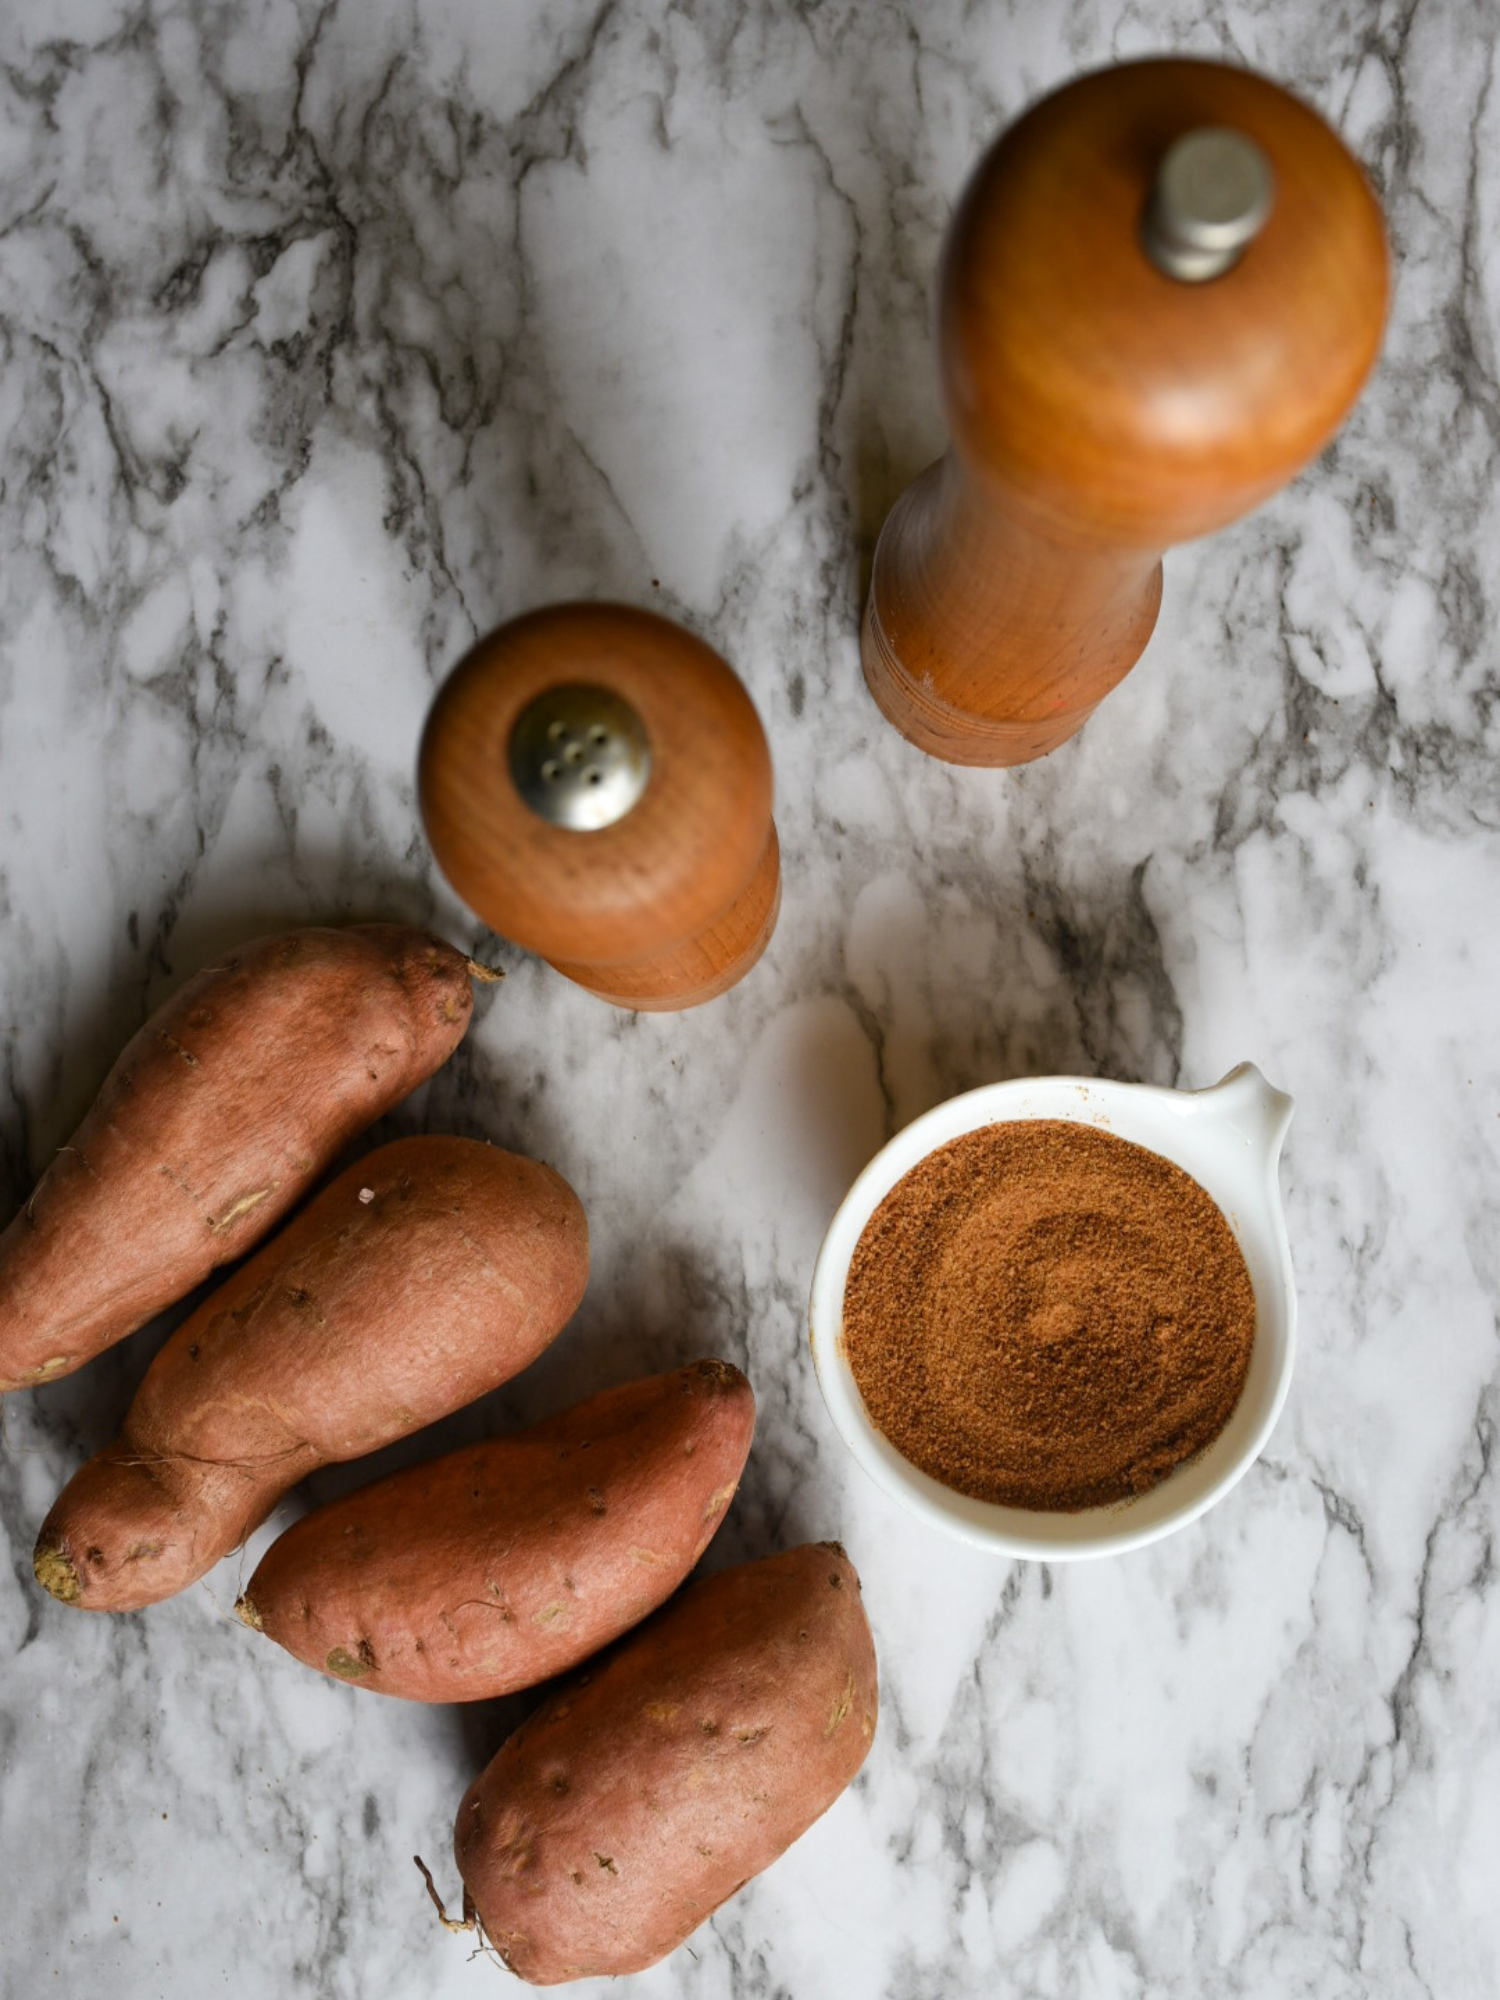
(666,904)
(1101,409)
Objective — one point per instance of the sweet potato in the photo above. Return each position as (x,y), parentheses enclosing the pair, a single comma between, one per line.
(219,1116)
(506,1563)
(639,1798)
(431,1271)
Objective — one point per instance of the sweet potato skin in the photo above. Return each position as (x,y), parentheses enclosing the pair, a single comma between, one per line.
(424,1276)
(641,1796)
(508,1562)
(218,1117)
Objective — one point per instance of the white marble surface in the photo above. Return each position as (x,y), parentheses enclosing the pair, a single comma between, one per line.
(330,336)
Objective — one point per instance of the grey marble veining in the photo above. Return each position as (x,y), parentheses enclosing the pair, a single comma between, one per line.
(331,335)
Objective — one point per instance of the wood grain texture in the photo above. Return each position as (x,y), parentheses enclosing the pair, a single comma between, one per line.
(1100,410)
(677,900)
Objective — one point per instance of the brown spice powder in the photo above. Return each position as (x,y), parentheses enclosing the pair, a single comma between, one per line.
(1047,1316)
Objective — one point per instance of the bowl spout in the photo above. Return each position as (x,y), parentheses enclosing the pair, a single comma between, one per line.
(1249,1105)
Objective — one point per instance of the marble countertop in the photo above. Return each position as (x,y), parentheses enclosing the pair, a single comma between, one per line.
(330,335)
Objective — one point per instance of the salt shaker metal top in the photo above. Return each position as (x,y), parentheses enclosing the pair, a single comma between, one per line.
(596,784)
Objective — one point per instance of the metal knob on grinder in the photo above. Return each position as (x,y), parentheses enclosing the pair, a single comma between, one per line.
(596,785)
(1212,195)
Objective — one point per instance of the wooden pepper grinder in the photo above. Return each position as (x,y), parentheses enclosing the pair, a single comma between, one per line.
(1159,296)
(596,784)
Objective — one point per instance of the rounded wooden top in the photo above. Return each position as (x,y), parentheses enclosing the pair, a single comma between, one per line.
(1122,404)
(656,876)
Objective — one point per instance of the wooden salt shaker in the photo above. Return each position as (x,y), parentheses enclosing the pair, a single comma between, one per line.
(1160,294)
(596,784)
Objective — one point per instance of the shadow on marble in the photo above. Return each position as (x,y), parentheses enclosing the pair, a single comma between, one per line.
(894,428)
(204,932)
(474,1730)
(1049,980)
(877,481)
(125,979)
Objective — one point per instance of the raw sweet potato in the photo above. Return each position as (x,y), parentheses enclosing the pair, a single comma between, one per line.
(431,1271)
(638,1798)
(219,1116)
(503,1564)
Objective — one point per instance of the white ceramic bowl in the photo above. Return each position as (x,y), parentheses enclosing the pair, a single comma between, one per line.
(1229,1139)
